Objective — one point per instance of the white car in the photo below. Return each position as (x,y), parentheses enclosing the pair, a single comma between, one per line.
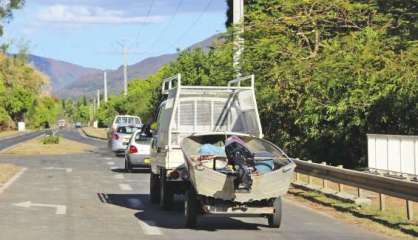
(120,138)
(138,151)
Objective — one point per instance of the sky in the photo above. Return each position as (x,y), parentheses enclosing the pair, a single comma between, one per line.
(91,33)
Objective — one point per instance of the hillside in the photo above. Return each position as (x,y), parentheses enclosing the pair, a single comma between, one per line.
(71,80)
(60,73)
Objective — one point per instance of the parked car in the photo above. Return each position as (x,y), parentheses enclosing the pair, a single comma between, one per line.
(138,151)
(120,138)
(78,125)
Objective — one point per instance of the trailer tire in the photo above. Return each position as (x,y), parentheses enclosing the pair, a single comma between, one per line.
(154,188)
(166,193)
(191,208)
(275,219)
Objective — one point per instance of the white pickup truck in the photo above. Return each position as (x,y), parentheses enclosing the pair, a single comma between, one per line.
(191,110)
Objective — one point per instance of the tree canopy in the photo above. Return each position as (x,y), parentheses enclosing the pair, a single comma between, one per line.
(327,73)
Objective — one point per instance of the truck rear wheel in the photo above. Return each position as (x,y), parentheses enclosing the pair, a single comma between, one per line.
(154,188)
(166,193)
(275,219)
(191,208)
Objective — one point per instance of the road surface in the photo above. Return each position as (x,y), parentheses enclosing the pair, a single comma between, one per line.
(89,196)
(10,141)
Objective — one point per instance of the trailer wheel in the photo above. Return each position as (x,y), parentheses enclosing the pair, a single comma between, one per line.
(275,220)
(154,188)
(166,193)
(191,208)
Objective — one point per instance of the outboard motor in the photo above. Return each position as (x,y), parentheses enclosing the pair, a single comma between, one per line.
(242,160)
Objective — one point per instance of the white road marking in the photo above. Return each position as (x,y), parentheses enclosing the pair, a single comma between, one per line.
(108,158)
(60,209)
(119,176)
(125,187)
(149,228)
(12,180)
(110,163)
(68,170)
(135,203)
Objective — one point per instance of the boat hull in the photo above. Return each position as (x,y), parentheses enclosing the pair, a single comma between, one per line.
(214,184)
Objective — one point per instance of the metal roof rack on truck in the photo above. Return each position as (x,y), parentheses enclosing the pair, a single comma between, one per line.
(175,82)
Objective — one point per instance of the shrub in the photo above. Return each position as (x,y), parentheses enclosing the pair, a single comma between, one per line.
(51,139)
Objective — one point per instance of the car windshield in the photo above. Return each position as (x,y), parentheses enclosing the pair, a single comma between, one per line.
(142,138)
(126,130)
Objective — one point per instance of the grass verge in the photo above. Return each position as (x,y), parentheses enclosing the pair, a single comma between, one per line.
(8,133)
(96,132)
(7,171)
(366,216)
(37,147)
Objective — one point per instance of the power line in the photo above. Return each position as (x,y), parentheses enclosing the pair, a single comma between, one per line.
(180,38)
(146,17)
(170,22)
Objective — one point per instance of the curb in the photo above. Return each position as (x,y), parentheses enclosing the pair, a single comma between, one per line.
(91,136)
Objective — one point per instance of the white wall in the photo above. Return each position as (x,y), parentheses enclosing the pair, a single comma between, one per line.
(393,153)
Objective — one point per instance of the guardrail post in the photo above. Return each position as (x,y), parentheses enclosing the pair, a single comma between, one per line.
(309,177)
(358,192)
(381,202)
(409,210)
(340,186)
(324,181)
(297,177)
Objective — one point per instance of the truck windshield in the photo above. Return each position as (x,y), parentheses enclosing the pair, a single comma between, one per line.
(128,120)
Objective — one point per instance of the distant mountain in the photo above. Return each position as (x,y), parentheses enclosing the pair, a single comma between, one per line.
(60,73)
(71,80)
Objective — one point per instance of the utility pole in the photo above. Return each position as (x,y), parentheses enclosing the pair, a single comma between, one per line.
(105,86)
(125,53)
(125,71)
(238,20)
(98,98)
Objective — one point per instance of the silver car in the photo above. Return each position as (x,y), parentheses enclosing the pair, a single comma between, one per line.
(138,151)
(120,138)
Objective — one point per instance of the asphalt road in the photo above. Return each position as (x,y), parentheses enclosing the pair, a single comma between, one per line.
(89,196)
(8,142)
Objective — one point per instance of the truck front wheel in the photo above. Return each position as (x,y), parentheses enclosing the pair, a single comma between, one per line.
(154,188)
(166,193)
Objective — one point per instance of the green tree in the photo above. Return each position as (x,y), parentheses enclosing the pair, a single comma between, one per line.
(44,112)
(6,10)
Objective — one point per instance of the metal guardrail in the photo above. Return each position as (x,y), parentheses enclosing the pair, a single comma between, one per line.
(398,188)
(390,186)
